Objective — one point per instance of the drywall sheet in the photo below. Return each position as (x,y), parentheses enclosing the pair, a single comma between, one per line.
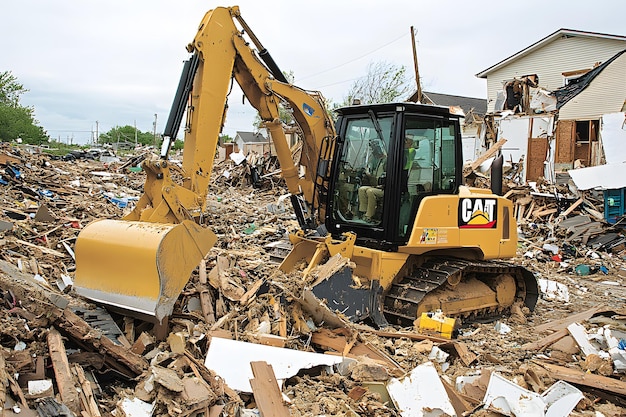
(604,177)
(231,359)
(613,134)
(516,132)
(421,393)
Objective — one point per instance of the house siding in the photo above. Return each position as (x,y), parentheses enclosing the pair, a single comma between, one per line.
(601,96)
(567,53)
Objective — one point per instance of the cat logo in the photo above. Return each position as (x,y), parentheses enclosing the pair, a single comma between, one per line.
(477,213)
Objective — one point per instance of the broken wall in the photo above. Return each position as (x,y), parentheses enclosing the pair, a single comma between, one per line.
(529,139)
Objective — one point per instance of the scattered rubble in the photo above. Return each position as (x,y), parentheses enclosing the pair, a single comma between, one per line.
(243,341)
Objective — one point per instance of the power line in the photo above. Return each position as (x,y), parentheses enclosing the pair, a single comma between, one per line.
(352,60)
(338,82)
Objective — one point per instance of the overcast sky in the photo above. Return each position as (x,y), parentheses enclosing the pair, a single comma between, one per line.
(118,62)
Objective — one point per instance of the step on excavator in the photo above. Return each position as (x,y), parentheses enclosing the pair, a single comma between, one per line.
(382,187)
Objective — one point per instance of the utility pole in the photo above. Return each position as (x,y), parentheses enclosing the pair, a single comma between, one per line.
(135,132)
(417,72)
(97,135)
(154,125)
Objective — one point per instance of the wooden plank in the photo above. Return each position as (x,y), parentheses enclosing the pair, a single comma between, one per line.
(338,342)
(87,397)
(17,391)
(572,207)
(3,377)
(461,404)
(490,152)
(116,356)
(546,341)
(206,302)
(466,356)
(575,376)
(574,318)
(41,248)
(266,392)
(542,213)
(62,373)
(40,302)
(5,158)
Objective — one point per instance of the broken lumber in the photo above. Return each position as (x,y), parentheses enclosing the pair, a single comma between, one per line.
(566,321)
(575,376)
(217,384)
(546,341)
(266,391)
(116,356)
(62,372)
(43,303)
(339,342)
(3,377)
(87,397)
(490,152)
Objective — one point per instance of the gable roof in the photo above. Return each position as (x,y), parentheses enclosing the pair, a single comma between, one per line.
(577,85)
(479,105)
(542,42)
(252,137)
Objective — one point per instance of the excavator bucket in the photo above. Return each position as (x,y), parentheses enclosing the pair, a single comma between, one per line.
(138,266)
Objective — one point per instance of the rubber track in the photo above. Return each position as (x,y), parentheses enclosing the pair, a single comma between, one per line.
(402,299)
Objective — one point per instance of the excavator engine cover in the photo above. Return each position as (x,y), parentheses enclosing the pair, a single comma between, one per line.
(138,266)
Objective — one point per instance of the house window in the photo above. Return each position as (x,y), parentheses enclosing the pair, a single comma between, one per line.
(568,76)
(587,131)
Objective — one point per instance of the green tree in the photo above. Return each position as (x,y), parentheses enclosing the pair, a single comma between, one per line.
(17,121)
(178,145)
(10,89)
(225,139)
(383,83)
(120,134)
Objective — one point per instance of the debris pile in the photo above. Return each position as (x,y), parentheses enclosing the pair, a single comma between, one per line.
(243,340)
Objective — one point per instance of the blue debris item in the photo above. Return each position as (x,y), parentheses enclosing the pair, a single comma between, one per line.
(12,171)
(622,344)
(614,204)
(46,193)
(604,270)
(121,202)
(3,181)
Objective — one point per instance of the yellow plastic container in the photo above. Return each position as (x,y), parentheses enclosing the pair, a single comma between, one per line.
(437,322)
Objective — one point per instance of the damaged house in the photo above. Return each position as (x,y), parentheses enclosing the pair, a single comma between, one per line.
(548,101)
(252,142)
(582,105)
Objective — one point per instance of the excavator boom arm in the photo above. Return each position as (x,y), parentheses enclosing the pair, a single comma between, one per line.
(220,53)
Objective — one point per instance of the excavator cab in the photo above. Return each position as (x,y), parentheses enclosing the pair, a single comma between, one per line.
(390,157)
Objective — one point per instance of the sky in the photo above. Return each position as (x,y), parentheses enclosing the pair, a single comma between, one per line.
(91,65)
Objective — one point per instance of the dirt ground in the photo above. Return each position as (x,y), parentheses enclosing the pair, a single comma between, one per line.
(37,252)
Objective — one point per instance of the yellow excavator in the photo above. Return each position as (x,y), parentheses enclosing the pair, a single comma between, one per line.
(382,187)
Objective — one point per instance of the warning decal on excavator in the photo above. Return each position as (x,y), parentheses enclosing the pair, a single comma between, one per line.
(432,236)
(477,213)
